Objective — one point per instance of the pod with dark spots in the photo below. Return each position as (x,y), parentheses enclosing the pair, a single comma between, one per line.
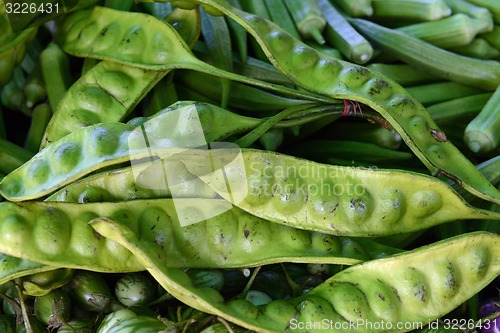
(12,267)
(356,83)
(337,200)
(189,124)
(369,292)
(41,283)
(107,92)
(167,49)
(231,238)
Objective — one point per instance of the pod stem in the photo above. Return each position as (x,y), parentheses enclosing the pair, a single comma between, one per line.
(317,36)
(203,67)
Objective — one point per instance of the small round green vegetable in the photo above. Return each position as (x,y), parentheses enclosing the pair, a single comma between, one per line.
(90,291)
(53,308)
(134,289)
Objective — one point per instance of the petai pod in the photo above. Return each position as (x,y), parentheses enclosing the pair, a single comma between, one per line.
(191,233)
(105,93)
(332,199)
(376,296)
(109,91)
(183,125)
(338,79)
(121,185)
(141,40)
(12,267)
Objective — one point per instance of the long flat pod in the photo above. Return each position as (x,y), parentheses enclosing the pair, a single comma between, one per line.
(121,185)
(12,267)
(107,92)
(123,37)
(187,231)
(339,79)
(406,288)
(332,199)
(185,124)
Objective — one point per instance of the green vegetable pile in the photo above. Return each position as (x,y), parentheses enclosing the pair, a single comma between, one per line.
(250,165)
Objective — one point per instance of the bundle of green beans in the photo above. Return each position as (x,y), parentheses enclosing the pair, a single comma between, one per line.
(236,165)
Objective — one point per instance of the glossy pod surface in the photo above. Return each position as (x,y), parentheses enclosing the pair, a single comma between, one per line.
(59,234)
(184,124)
(141,40)
(334,78)
(106,93)
(12,267)
(401,289)
(332,199)
(121,185)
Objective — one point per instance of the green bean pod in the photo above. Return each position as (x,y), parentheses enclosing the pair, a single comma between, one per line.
(42,283)
(339,79)
(59,235)
(242,96)
(56,73)
(107,92)
(483,132)
(215,32)
(121,185)
(12,51)
(406,288)
(39,121)
(239,34)
(12,156)
(12,268)
(183,125)
(187,23)
(121,37)
(331,199)
(449,112)
(97,146)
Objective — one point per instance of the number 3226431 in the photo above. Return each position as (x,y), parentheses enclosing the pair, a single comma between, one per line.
(31,8)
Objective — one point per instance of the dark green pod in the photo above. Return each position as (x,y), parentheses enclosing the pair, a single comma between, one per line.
(7,324)
(212,278)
